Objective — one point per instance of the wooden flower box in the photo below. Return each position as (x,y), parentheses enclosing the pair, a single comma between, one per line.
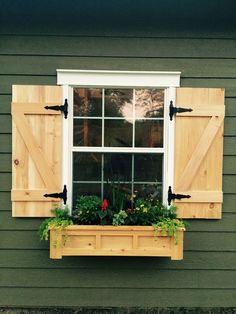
(96,240)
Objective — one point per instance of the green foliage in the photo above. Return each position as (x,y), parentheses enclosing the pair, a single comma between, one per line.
(61,220)
(168,227)
(90,211)
(118,196)
(119,218)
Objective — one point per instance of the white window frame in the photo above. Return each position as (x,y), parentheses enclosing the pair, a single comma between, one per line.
(117,79)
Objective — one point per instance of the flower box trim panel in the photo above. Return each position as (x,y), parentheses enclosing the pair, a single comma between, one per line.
(87,240)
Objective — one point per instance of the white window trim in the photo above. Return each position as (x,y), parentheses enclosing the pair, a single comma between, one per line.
(95,78)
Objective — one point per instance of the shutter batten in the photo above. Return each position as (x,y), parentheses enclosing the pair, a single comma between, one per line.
(199,152)
(36,150)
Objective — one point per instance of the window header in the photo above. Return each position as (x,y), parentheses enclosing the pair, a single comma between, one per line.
(118,78)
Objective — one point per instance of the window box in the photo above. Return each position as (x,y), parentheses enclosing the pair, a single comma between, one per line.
(88,240)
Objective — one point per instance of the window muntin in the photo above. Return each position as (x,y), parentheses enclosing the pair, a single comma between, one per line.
(118,137)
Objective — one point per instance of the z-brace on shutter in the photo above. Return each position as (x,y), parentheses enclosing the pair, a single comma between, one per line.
(199,152)
(36,163)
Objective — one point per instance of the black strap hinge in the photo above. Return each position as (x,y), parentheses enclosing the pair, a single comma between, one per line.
(174,110)
(62,195)
(172,196)
(63,108)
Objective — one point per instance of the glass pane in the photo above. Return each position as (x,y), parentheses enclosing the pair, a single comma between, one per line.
(85,189)
(117,133)
(88,102)
(117,167)
(151,191)
(86,167)
(148,167)
(148,133)
(87,132)
(149,103)
(119,103)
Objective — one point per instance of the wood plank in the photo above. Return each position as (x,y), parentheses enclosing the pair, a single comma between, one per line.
(38,259)
(106,297)
(40,65)
(118,278)
(5,201)
(6,145)
(5,124)
(230,146)
(32,195)
(34,108)
(201,197)
(199,153)
(44,169)
(5,162)
(229,165)
(7,80)
(204,112)
(112,46)
(226,224)
(5,182)
(229,183)
(229,84)
(181,30)
(5,104)
(229,129)
(194,241)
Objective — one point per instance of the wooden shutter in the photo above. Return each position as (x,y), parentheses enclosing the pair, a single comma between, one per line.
(36,150)
(199,152)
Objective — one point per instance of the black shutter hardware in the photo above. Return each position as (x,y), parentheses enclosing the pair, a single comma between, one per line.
(174,110)
(63,108)
(172,196)
(62,195)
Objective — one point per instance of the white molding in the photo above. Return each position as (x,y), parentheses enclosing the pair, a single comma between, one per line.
(118,78)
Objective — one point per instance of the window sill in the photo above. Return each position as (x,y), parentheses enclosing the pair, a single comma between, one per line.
(82,240)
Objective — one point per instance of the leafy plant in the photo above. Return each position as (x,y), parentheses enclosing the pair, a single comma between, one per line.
(119,218)
(168,227)
(91,210)
(61,220)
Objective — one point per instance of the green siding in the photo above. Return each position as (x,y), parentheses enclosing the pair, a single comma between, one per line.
(206,277)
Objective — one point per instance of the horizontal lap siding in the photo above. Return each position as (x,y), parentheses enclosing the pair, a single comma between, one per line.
(206,276)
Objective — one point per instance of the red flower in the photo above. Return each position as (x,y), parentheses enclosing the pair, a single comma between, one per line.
(104,205)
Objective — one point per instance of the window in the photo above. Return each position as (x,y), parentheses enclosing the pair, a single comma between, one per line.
(110,143)
(118,131)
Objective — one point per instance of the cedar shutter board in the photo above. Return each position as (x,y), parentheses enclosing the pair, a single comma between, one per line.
(36,150)
(199,152)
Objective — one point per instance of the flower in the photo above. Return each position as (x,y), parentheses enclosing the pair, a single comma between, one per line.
(104,205)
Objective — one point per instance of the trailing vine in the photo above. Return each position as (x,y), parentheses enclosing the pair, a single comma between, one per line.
(61,220)
(168,227)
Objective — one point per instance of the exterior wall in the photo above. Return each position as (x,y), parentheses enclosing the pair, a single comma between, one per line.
(206,276)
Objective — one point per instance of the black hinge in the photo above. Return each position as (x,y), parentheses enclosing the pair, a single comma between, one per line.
(172,196)
(62,195)
(63,108)
(174,110)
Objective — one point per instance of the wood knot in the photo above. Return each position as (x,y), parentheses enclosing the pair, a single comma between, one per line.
(16,162)
(211,205)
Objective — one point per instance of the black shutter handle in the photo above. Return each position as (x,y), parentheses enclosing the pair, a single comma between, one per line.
(173,110)
(63,108)
(173,196)
(62,195)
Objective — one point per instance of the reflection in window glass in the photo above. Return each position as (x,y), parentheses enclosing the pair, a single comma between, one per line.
(86,167)
(87,132)
(118,167)
(119,103)
(148,167)
(149,103)
(87,102)
(148,133)
(117,133)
